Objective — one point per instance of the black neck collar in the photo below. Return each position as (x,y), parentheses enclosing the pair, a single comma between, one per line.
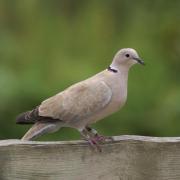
(112,70)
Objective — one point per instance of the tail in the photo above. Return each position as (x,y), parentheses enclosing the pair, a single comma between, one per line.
(29,117)
(40,128)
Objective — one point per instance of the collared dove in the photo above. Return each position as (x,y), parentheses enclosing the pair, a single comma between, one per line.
(84,103)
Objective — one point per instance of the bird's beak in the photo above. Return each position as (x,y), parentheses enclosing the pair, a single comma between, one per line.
(140,61)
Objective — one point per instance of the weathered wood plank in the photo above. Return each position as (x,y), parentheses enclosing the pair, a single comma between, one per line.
(127,158)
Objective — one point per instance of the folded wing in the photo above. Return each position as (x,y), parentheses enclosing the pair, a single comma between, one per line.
(78,102)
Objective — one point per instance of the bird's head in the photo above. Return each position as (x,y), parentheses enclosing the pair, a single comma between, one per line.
(127,57)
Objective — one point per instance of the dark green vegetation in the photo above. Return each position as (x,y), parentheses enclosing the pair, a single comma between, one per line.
(45,46)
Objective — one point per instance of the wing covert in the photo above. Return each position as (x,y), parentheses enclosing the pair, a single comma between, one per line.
(77,102)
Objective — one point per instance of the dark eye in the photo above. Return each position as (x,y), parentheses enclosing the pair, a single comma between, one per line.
(127,55)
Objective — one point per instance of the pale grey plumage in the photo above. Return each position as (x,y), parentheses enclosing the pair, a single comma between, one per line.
(88,101)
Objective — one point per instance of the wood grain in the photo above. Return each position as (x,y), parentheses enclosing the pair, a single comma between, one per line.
(127,158)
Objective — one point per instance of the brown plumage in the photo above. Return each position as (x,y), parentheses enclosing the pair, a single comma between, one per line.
(83,103)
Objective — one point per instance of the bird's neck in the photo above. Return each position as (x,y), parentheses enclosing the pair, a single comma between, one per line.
(121,69)
(121,76)
(119,82)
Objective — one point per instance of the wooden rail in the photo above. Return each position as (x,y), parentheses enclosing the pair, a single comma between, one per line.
(127,158)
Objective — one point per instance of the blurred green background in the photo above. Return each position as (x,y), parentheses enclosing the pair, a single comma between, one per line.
(47,45)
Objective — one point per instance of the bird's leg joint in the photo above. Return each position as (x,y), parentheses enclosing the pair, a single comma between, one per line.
(93,133)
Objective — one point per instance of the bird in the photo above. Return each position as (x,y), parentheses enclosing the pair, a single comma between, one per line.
(84,103)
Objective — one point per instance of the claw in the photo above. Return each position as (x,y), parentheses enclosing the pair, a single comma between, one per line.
(93,138)
(94,144)
(101,138)
(93,133)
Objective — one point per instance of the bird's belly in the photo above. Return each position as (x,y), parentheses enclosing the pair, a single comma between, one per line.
(111,108)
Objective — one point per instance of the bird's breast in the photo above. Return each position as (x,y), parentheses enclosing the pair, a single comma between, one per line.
(119,96)
(119,91)
(118,99)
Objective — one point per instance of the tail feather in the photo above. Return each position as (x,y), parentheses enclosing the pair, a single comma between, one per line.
(29,117)
(40,128)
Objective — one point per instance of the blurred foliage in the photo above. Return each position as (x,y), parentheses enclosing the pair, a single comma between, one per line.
(45,46)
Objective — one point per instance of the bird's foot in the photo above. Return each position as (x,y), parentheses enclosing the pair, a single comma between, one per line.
(94,139)
(94,144)
(101,138)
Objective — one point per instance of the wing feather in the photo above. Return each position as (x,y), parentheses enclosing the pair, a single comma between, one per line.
(78,102)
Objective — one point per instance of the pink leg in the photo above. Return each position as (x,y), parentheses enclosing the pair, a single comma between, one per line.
(91,140)
(98,138)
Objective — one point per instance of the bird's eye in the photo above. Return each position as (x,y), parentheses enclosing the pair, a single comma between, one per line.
(127,55)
